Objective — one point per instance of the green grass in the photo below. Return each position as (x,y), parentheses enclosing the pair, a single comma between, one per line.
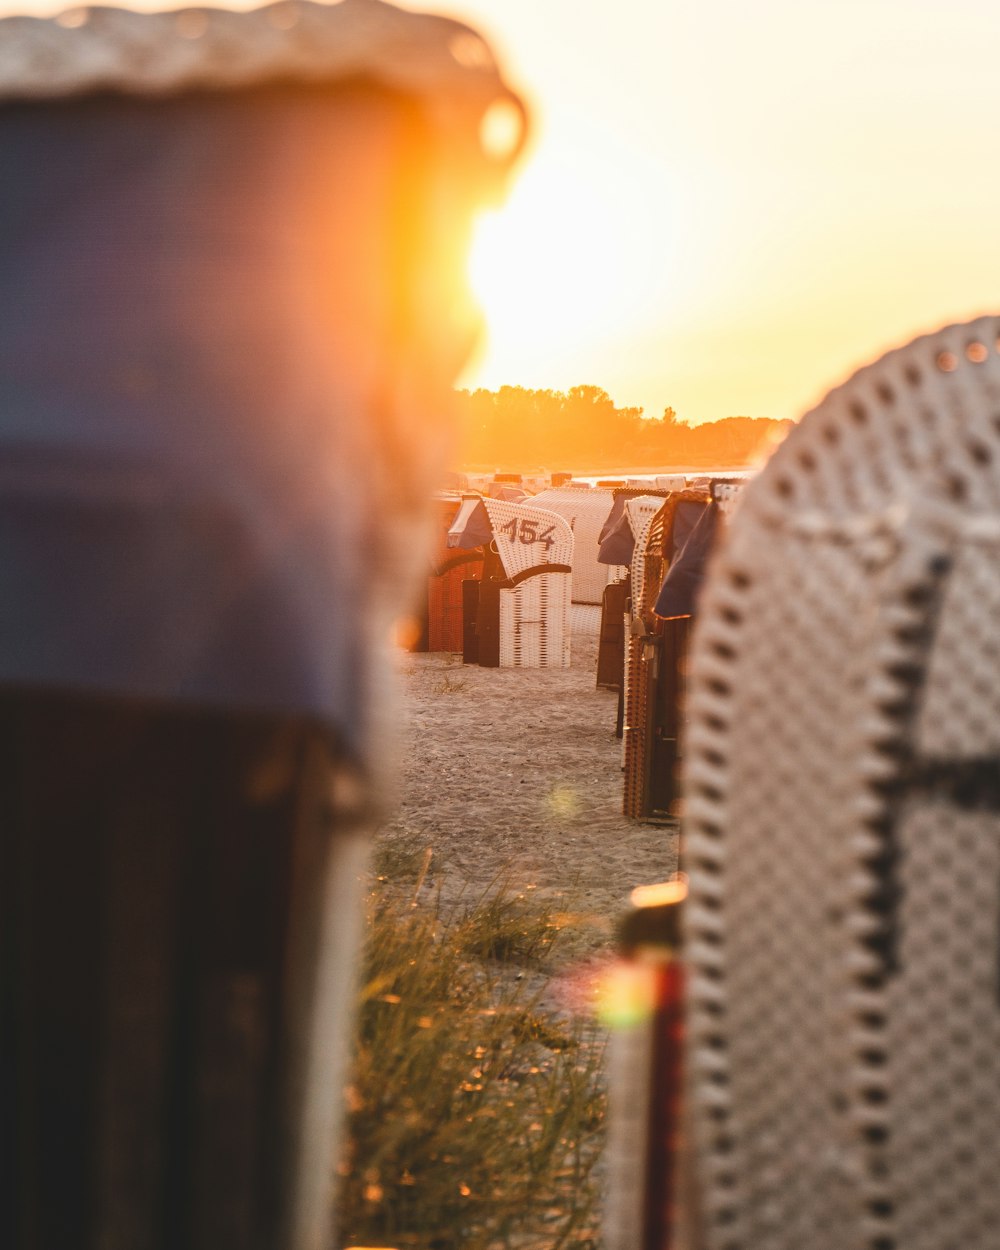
(449,684)
(476,1113)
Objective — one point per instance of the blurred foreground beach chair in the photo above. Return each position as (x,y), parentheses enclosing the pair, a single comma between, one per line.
(841,934)
(231,248)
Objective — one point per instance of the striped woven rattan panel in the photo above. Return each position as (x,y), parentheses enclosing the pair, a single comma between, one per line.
(584,620)
(642,662)
(526,536)
(534,615)
(444,606)
(586,511)
(534,623)
(842,837)
(640,510)
(648,570)
(634,710)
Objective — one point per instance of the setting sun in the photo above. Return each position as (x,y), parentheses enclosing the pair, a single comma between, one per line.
(726,208)
(553,268)
(730,207)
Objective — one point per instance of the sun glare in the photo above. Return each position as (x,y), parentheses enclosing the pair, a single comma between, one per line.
(553,269)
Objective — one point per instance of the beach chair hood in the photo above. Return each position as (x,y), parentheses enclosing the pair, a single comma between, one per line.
(842,829)
(472,526)
(232,250)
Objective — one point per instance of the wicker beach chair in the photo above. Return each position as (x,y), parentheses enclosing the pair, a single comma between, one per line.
(636,508)
(518,614)
(231,248)
(586,510)
(640,512)
(653,666)
(442,624)
(535,548)
(616,541)
(842,837)
(726,492)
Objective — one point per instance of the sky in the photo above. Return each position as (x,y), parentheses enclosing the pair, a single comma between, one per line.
(728,207)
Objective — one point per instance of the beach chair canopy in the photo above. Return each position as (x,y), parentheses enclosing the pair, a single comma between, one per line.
(694,532)
(587,511)
(231,248)
(536,551)
(616,541)
(472,526)
(506,492)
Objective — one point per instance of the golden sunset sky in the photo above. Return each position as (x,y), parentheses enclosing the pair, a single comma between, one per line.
(728,206)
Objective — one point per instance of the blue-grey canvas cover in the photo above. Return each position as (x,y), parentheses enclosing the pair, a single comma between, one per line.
(194,322)
(471,527)
(692,538)
(617,542)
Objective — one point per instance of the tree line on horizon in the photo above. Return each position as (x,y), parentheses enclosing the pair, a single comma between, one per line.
(514,428)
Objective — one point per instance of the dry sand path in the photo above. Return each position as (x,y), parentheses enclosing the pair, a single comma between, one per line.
(515,774)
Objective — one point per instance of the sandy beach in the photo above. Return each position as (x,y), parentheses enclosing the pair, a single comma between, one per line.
(515,775)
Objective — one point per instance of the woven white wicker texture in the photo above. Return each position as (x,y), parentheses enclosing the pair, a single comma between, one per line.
(640,511)
(586,511)
(534,615)
(644,521)
(584,620)
(842,837)
(725,495)
(670,481)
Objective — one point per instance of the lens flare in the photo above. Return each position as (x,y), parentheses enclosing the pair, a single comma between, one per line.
(627,995)
(564,802)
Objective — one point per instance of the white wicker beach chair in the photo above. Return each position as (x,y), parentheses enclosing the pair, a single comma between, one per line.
(726,493)
(670,481)
(618,542)
(638,569)
(640,512)
(584,620)
(534,609)
(842,837)
(586,510)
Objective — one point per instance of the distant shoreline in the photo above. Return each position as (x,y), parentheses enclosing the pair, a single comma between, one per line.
(614,472)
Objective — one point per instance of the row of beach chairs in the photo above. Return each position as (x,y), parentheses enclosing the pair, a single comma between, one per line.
(511,581)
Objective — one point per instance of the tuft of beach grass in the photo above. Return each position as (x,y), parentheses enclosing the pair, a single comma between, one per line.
(476,1110)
